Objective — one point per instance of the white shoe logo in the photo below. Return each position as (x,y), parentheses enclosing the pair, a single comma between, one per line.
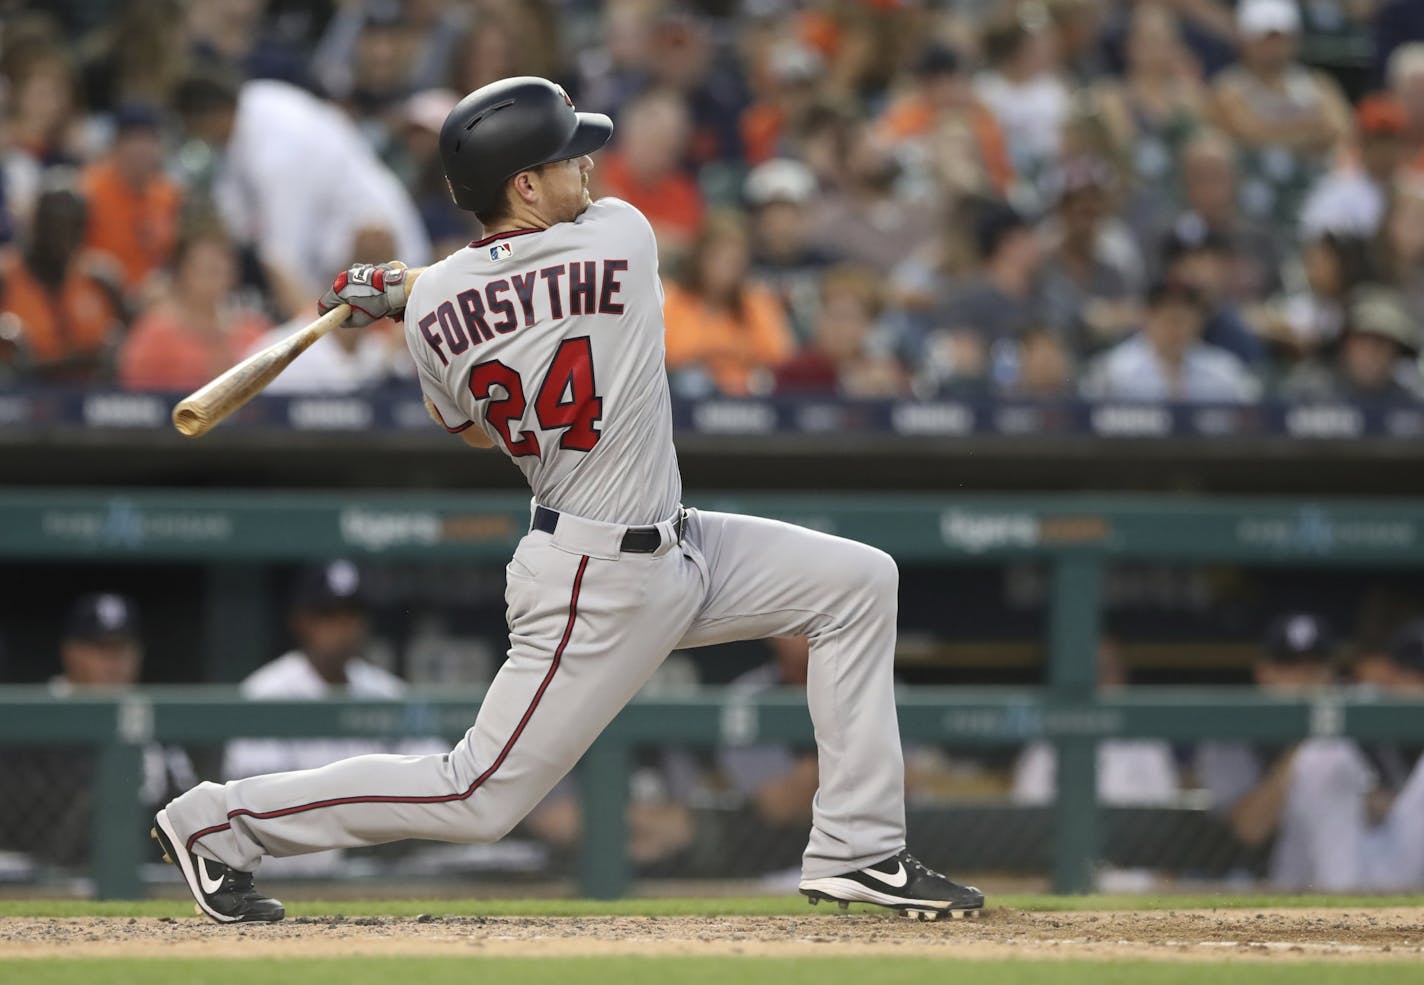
(896,880)
(210,886)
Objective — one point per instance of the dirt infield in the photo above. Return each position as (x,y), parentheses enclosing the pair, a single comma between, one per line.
(1384,934)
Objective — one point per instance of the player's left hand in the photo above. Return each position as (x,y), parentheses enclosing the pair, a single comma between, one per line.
(373,290)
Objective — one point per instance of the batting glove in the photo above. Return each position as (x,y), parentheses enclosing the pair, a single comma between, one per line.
(373,290)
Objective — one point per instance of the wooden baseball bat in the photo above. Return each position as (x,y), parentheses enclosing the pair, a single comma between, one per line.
(202,410)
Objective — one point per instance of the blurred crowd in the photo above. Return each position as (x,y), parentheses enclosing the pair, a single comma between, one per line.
(1130,199)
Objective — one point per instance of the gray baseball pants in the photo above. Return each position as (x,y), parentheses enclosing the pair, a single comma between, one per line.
(588,625)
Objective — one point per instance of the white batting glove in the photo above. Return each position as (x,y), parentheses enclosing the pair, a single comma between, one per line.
(373,290)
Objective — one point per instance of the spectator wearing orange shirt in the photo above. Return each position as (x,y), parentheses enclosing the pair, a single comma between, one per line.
(943,97)
(645,169)
(133,205)
(196,331)
(721,328)
(61,300)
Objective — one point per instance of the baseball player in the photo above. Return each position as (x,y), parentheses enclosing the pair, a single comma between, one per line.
(545,340)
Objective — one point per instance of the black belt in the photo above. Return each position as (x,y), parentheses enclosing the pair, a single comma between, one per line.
(637,540)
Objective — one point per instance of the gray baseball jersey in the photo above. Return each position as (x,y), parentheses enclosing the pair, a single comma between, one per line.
(551,341)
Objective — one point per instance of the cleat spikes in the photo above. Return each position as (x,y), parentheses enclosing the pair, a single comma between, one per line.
(844,904)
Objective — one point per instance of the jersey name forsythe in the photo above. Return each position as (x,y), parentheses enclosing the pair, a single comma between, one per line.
(582,287)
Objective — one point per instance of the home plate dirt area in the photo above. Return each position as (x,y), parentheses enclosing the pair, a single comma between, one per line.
(1000,932)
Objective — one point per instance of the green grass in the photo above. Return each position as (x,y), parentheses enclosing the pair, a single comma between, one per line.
(752,906)
(690,971)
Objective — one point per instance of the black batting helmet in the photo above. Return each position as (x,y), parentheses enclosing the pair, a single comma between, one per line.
(510,126)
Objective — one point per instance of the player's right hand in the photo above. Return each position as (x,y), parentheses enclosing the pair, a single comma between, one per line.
(373,290)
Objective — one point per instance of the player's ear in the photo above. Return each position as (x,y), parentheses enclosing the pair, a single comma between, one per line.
(525,185)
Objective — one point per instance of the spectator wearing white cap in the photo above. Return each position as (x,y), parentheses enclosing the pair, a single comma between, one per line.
(784,256)
(1288,118)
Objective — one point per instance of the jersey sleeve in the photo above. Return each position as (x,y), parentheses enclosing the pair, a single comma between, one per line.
(452,418)
(432,385)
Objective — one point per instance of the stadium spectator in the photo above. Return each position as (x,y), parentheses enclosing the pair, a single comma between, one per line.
(1044,368)
(427,34)
(611,74)
(345,362)
(135,57)
(1406,84)
(1155,108)
(940,106)
(1210,196)
(1375,358)
(1022,87)
(193,331)
(1396,23)
(47,810)
(64,299)
(1167,360)
(841,357)
(784,255)
(330,621)
(981,316)
(523,38)
(769,125)
(859,218)
(645,167)
(1077,27)
(1130,771)
(236,36)
(133,205)
(1091,278)
(44,121)
(1311,314)
(378,83)
(296,181)
(415,156)
(723,331)
(1197,256)
(1353,198)
(1287,118)
(684,58)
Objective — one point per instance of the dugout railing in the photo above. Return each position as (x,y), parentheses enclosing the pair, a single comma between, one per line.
(1076,537)
(118,728)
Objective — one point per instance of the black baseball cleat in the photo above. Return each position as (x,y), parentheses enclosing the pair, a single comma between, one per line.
(901,882)
(223,893)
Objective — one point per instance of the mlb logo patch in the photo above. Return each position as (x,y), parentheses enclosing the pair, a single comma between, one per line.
(500,251)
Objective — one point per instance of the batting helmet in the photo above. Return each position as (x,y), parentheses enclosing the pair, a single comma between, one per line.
(510,126)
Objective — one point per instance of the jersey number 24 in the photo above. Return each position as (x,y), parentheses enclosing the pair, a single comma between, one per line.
(570,376)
